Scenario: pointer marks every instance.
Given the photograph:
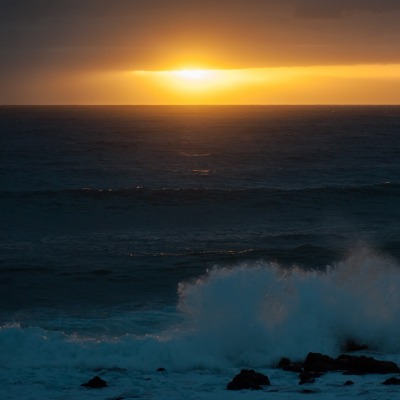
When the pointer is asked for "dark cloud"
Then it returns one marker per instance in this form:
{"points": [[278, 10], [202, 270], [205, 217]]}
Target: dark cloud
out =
{"points": [[341, 8], [118, 23], [39, 37]]}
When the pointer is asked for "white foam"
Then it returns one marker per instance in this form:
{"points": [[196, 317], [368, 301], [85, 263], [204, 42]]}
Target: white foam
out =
{"points": [[246, 316], [249, 315], [257, 313]]}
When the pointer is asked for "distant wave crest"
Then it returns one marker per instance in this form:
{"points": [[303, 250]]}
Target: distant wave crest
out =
{"points": [[385, 188]]}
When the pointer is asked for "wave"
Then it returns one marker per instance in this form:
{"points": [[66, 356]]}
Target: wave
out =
{"points": [[386, 188], [306, 255], [248, 315], [264, 312]]}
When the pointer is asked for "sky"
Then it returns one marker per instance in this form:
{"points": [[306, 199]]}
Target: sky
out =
{"points": [[248, 51]]}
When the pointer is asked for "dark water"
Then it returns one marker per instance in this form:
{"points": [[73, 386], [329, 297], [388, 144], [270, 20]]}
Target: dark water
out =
{"points": [[114, 206], [133, 238]]}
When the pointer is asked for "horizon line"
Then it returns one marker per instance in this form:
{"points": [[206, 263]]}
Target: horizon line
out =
{"points": [[210, 105]]}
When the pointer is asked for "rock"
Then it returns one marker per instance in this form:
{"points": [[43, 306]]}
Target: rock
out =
{"points": [[95, 383], [319, 362], [350, 365], [283, 362], [308, 377], [248, 379], [351, 345], [392, 381], [348, 383], [360, 365], [288, 365]]}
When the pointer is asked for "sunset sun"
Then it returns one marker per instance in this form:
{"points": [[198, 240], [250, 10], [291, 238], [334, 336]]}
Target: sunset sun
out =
{"points": [[194, 85], [192, 74]]}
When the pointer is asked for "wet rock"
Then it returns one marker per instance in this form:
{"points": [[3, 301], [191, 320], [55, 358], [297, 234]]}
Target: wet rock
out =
{"points": [[287, 365], [248, 379], [352, 345], [392, 381], [319, 362], [360, 365], [350, 365], [95, 383], [284, 362], [308, 377]]}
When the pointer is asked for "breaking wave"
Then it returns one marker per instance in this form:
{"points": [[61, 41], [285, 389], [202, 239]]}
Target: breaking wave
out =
{"points": [[248, 315]]}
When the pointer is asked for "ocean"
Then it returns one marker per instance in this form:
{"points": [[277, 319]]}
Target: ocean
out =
{"points": [[198, 239]]}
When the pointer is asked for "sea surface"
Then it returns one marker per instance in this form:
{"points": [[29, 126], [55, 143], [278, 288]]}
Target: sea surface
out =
{"points": [[201, 240]]}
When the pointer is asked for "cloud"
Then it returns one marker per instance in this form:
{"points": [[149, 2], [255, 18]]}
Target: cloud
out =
{"points": [[43, 40], [340, 8], [49, 35]]}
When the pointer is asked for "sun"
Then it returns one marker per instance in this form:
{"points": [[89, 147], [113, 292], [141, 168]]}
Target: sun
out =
{"points": [[190, 80], [199, 85], [195, 74]]}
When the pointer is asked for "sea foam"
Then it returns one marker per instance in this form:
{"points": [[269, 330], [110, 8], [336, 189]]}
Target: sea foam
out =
{"points": [[260, 312], [248, 315]]}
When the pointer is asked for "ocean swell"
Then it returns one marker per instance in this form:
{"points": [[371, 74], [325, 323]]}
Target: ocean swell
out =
{"points": [[248, 315]]}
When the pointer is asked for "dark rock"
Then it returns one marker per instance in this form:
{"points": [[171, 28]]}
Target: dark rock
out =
{"points": [[348, 383], [351, 345], [161, 369], [95, 383], [350, 365], [248, 379], [290, 366], [308, 377], [392, 381], [283, 362], [319, 362], [359, 365]]}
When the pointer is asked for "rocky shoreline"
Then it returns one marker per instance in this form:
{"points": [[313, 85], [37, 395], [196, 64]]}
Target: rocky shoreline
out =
{"points": [[314, 366]]}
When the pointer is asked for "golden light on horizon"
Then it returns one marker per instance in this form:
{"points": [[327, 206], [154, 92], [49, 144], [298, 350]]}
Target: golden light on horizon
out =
{"points": [[197, 84], [192, 73], [175, 52], [192, 85], [193, 80], [352, 84]]}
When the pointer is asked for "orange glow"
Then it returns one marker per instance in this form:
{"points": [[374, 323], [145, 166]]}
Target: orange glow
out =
{"points": [[357, 84], [205, 52], [200, 84], [192, 73]]}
